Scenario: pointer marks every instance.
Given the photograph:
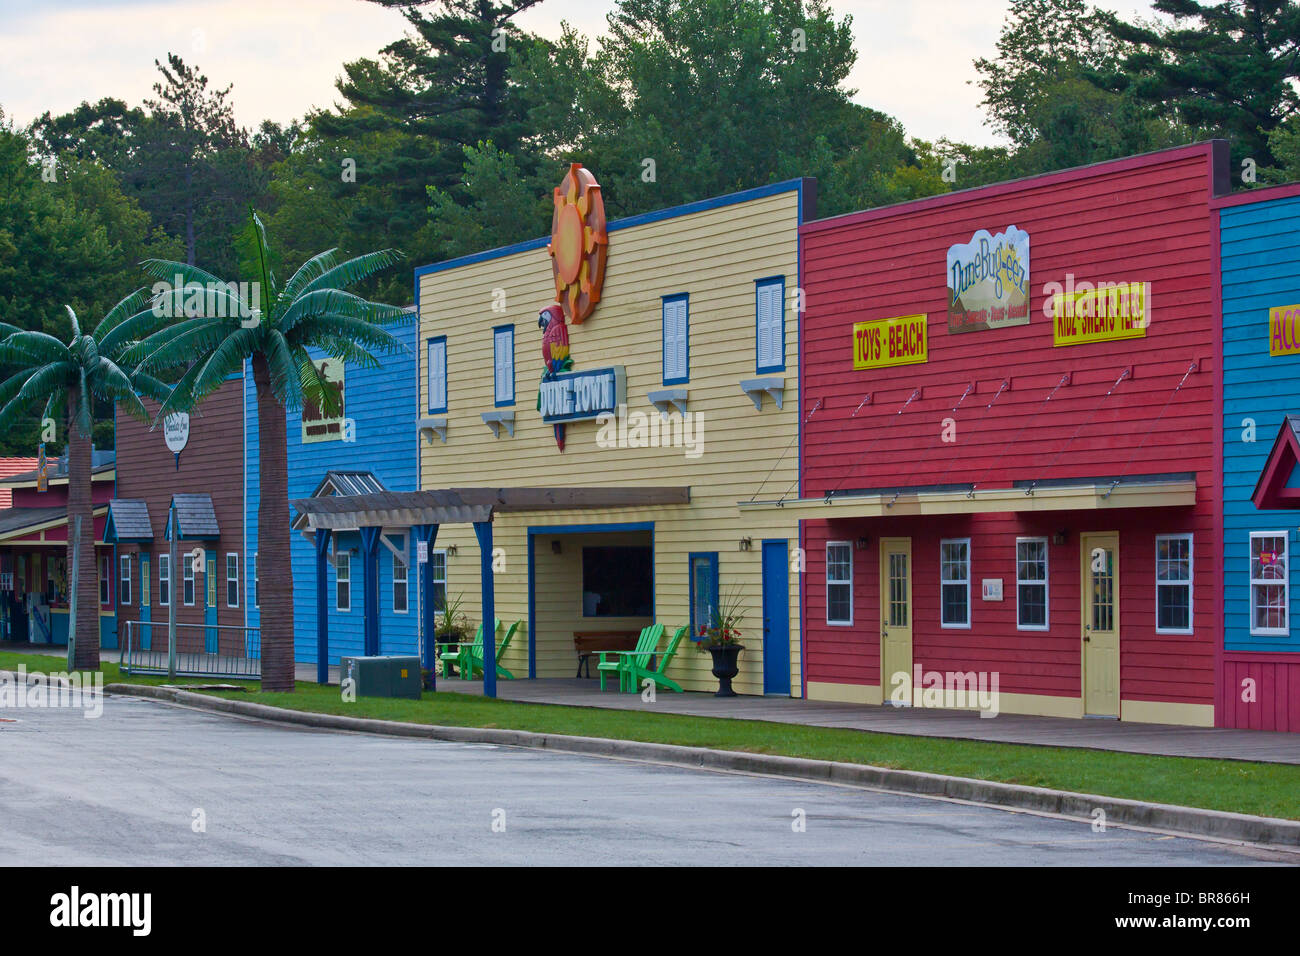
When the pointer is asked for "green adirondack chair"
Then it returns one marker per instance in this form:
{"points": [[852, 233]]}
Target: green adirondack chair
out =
{"points": [[475, 666], [461, 654], [638, 672], [614, 662]]}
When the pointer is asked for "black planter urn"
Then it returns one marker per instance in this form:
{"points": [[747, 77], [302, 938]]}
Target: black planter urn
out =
{"points": [[724, 667]]}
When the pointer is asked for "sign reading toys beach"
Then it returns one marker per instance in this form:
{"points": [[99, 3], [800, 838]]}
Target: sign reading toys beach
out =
{"points": [[988, 281]]}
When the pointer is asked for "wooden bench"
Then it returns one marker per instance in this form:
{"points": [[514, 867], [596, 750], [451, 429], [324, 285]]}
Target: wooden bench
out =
{"points": [[588, 643]]}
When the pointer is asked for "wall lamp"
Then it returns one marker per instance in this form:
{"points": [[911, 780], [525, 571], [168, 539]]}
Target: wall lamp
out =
{"points": [[862, 543], [555, 546], [1060, 536], [451, 551], [746, 544]]}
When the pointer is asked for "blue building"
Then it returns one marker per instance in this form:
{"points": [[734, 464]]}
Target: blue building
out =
{"points": [[1260, 255], [370, 445]]}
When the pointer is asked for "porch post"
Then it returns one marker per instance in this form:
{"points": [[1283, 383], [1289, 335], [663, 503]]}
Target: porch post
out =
{"points": [[322, 606], [428, 534], [370, 577], [483, 531]]}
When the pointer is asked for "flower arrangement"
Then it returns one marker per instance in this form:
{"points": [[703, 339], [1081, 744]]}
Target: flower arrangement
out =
{"points": [[453, 623], [723, 629]]}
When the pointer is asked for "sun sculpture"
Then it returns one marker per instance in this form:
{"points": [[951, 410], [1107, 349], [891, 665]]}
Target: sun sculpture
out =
{"points": [[578, 248]]}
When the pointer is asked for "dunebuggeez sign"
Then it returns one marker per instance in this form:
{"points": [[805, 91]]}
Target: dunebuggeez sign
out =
{"points": [[573, 396], [988, 281]]}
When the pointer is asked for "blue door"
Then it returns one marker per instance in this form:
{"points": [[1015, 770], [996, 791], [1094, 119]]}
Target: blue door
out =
{"points": [[776, 618], [210, 642], [146, 602]]}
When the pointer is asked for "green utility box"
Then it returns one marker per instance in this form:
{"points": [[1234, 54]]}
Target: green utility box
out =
{"points": [[384, 676]]}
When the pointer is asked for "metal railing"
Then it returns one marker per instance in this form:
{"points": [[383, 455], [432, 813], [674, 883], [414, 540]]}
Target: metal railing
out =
{"points": [[202, 650]]}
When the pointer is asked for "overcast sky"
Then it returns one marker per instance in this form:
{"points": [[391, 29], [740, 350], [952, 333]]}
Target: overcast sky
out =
{"points": [[283, 56]]}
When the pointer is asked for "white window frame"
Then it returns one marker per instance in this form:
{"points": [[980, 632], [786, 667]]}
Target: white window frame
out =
{"points": [[164, 580], [436, 346], [342, 560], [1285, 582], [105, 579], [848, 546], [442, 580], [254, 582], [503, 365], [124, 580], [405, 570], [188, 581], [676, 340], [1045, 583], [960, 626], [1191, 577], [231, 555]]}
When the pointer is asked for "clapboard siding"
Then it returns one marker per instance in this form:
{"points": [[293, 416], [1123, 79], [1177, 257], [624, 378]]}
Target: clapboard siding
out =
{"points": [[381, 405], [714, 255], [210, 464], [1146, 219], [1260, 249]]}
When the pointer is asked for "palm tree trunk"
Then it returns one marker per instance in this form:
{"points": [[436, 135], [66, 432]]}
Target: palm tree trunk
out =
{"points": [[274, 569], [85, 652]]}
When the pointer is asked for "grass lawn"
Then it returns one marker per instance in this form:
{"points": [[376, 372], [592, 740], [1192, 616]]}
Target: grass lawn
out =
{"points": [[1260, 788]]}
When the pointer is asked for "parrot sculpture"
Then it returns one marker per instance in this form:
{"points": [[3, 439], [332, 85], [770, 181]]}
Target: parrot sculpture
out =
{"points": [[555, 353]]}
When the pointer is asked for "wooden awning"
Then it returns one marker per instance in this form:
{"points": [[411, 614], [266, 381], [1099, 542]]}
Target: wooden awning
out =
{"points": [[1091, 494], [405, 509]]}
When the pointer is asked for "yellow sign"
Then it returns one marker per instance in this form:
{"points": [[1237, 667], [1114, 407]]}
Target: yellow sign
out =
{"points": [[883, 342], [1109, 311], [1284, 330]]}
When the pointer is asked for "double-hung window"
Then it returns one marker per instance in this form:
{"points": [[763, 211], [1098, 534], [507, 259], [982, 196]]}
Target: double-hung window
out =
{"points": [[437, 363], [105, 578], [124, 590], [232, 579], [342, 580], [769, 325], [676, 339], [164, 579], [1031, 584], [1174, 584], [187, 580], [1270, 591], [954, 582], [839, 582], [503, 363], [400, 578]]}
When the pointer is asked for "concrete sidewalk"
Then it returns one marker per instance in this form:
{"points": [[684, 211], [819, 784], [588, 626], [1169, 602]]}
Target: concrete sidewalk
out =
{"points": [[1163, 739]]}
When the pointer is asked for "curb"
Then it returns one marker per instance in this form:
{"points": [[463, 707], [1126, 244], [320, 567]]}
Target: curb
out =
{"points": [[1214, 824]]}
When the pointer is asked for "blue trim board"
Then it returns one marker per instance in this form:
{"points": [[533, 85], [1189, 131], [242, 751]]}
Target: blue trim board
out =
{"points": [[658, 215], [759, 284], [663, 338]]}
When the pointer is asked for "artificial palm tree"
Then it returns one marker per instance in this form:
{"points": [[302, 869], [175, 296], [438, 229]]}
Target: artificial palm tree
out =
{"points": [[70, 376], [274, 334]]}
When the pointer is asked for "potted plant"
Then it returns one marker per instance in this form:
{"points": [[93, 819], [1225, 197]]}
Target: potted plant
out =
{"points": [[721, 638], [453, 626]]}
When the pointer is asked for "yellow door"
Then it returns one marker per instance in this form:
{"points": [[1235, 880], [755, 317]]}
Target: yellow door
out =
{"points": [[1099, 560], [896, 619]]}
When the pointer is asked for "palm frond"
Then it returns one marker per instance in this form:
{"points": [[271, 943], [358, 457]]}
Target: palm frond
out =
{"points": [[39, 385], [223, 361], [131, 304], [151, 387], [129, 331], [286, 383], [317, 330], [72, 317], [309, 270], [315, 388], [109, 382], [170, 269], [176, 346], [327, 301], [26, 347], [354, 270], [85, 421]]}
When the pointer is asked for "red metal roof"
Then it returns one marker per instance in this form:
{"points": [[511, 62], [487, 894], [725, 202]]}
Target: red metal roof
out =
{"points": [[10, 467]]}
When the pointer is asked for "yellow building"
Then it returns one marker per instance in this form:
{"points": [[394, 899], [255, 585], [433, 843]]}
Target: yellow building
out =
{"points": [[684, 376]]}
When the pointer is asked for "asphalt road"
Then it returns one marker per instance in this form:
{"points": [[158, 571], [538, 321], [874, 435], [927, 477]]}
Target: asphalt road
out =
{"points": [[126, 789]]}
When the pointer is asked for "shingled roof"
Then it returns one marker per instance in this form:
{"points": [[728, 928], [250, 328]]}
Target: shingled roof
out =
{"points": [[195, 517], [128, 520]]}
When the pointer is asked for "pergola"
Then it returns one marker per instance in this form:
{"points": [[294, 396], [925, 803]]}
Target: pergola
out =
{"points": [[423, 512]]}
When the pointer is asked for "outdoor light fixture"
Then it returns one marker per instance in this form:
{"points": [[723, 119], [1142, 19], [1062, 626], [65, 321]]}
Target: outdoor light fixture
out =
{"points": [[746, 544], [1060, 536], [451, 551], [862, 543], [555, 546]]}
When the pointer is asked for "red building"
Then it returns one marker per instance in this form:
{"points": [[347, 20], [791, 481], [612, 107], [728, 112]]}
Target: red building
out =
{"points": [[1010, 468]]}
